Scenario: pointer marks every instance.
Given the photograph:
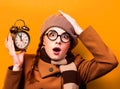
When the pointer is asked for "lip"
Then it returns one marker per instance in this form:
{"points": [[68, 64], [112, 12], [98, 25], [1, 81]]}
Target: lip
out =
{"points": [[56, 50]]}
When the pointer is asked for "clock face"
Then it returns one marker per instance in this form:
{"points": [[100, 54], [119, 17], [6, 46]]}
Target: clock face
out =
{"points": [[22, 40]]}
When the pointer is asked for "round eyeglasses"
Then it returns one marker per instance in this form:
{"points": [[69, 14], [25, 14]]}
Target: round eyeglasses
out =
{"points": [[53, 35]]}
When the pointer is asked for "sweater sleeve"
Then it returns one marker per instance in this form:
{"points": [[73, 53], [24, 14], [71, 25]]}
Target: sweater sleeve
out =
{"points": [[12, 79], [104, 60]]}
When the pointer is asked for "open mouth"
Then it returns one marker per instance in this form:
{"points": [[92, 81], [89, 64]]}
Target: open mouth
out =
{"points": [[56, 50]]}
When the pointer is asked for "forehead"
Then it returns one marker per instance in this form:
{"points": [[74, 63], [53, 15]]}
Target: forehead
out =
{"points": [[57, 29]]}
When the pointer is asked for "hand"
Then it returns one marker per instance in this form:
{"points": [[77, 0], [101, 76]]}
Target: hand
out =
{"points": [[76, 27], [17, 58]]}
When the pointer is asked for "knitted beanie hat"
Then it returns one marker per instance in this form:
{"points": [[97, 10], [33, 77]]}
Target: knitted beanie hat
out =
{"points": [[61, 22]]}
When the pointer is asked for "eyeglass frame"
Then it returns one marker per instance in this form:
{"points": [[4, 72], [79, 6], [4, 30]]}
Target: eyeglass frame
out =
{"points": [[58, 36]]}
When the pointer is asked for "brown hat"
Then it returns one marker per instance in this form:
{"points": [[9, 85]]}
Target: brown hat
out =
{"points": [[59, 21]]}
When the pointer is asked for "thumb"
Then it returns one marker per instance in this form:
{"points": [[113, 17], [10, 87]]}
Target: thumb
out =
{"points": [[22, 53], [21, 56]]}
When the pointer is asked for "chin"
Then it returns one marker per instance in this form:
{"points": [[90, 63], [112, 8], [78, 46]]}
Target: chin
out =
{"points": [[56, 58]]}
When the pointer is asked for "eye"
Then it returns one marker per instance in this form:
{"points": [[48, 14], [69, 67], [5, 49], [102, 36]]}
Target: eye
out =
{"points": [[52, 34], [65, 36]]}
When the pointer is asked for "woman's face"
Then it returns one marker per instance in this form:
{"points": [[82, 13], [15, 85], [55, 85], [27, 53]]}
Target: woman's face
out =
{"points": [[56, 43]]}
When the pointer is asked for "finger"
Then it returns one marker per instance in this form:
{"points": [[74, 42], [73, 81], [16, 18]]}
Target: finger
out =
{"points": [[75, 25], [9, 37], [7, 41], [6, 44], [10, 44], [10, 40], [61, 12], [22, 54], [68, 17]]}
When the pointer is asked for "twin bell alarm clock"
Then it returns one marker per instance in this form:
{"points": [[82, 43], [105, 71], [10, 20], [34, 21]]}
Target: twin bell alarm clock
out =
{"points": [[20, 35]]}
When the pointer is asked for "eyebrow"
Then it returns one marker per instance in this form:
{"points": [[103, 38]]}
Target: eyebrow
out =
{"points": [[54, 28], [57, 32]]}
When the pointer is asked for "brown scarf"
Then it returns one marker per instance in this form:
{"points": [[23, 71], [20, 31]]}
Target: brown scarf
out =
{"points": [[67, 68]]}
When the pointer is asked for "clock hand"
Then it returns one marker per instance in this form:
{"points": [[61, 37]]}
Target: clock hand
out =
{"points": [[20, 35]]}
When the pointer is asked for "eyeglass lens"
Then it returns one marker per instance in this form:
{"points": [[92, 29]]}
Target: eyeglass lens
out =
{"points": [[53, 35]]}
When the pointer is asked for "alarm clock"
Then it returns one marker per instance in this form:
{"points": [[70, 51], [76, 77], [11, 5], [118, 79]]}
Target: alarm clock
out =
{"points": [[20, 36]]}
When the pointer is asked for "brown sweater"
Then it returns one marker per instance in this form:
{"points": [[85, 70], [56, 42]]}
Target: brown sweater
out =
{"points": [[48, 75]]}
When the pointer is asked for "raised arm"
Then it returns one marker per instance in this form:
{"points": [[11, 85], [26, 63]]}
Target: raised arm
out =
{"points": [[104, 60]]}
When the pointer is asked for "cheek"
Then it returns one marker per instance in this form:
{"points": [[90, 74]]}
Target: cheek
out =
{"points": [[47, 44], [66, 47], [46, 41]]}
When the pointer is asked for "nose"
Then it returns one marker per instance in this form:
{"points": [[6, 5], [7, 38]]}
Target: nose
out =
{"points": [[58, 40]]}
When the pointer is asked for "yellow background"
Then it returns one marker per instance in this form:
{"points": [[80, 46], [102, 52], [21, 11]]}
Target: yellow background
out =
{"points": [[103, 15]]}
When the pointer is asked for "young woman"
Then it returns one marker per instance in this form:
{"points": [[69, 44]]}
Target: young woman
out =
{"points": [[54, 66]]}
